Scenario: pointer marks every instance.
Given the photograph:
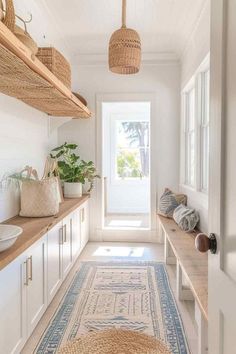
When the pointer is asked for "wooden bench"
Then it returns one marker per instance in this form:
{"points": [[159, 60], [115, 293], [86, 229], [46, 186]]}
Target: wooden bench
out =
{"points": [[192, 267]]}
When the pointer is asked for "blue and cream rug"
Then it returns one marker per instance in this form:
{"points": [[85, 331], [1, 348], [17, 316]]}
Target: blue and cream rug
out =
{"points": [[126, 295]]}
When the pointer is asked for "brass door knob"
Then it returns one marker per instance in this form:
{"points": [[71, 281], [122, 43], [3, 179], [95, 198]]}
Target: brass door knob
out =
{"points": [[203, 243]]}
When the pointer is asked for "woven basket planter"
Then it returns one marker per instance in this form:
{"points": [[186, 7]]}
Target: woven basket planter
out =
{"points": [[125, 51], [115, 341], [56, 63]]}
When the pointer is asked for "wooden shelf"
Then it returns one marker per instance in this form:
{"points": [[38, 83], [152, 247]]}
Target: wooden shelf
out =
{"points": [[24, 77]]}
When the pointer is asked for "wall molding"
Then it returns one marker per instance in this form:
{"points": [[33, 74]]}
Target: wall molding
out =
{"points": [[152, 59]]}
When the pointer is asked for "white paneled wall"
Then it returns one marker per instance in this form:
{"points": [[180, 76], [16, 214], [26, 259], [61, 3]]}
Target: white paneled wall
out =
{"points": [[25, 139], [162, 80]]}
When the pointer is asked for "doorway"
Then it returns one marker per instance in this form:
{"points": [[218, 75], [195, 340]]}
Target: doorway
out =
{"points": [[126, 165]]}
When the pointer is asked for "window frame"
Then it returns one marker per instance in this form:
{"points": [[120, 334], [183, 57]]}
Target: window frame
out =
{"points": [[204, 121], [198, 83], [189, 135]]}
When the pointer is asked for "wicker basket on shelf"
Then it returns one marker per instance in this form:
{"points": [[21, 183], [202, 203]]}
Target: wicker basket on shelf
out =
{"points": [[1, 11], [9, 18], [56, 63], [10, 21]]}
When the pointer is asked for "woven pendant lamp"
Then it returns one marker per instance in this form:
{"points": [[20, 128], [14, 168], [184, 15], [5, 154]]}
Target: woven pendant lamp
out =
{"points": [[125, 49]]}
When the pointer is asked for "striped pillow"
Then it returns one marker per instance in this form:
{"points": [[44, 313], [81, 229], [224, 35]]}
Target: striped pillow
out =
{"points": [[169, 201]]}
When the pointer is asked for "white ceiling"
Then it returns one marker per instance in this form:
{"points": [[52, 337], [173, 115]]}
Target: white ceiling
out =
{"points": [[85, 26]]}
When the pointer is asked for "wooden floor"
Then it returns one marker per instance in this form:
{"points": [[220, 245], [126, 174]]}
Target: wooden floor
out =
{"points": [[111, 251]]}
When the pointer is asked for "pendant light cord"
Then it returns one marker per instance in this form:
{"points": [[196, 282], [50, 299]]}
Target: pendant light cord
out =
{"points": [[123, 13]]}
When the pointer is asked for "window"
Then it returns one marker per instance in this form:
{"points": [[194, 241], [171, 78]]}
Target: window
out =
{"points": [[196, 130], [190, 137], [204, 131], [132, 149]]}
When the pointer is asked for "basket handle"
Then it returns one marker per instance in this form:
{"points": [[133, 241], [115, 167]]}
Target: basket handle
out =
{"points": [[9, 19]]}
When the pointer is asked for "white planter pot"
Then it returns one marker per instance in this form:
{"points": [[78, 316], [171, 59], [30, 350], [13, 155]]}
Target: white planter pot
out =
{"points": [[72, 190]]}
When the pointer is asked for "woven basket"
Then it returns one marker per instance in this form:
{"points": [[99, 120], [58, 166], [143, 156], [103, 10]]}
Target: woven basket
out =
{"points": [[1, 11], [115, 341], [10, 18], [56, 63]]}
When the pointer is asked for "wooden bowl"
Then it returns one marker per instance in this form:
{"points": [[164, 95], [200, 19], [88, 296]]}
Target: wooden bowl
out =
{"points": [[81, 98]]}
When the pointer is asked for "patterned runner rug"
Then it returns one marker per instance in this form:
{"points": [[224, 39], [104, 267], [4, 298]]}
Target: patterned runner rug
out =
{"points": [[127, 295]]}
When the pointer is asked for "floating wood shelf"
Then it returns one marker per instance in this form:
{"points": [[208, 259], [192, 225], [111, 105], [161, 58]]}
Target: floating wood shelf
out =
{"points": [[24, 77]]}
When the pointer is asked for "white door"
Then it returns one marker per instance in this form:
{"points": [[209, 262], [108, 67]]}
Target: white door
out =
{"points": [[67, 248], [75, 233], [222, 207], [54, 271], [36, 289], [13, 306]]}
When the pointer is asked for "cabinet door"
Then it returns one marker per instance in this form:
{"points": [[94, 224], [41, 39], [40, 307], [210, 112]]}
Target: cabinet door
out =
{"points": [[12, 307], [67, 247], [75, 234], [54, 261], [84, 219], [36, 289]]}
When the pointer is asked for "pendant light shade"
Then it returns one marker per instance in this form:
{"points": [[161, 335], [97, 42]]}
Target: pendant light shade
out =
{"points": [[125, 49]]}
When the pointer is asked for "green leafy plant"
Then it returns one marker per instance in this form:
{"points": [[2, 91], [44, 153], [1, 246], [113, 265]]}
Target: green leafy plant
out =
{"points": [[71, 168]]}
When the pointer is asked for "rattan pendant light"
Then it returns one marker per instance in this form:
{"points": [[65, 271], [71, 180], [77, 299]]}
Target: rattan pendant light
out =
{"points": [[125, 49]]}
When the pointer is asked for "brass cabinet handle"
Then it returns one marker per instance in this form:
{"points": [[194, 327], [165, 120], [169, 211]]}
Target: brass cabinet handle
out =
{"points": [[82, 215], [64, 233], [30, 259], [61, 236], [26, 282]]}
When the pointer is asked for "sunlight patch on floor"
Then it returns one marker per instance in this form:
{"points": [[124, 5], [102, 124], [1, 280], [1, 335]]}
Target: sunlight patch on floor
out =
{"points": [[119, 251]]}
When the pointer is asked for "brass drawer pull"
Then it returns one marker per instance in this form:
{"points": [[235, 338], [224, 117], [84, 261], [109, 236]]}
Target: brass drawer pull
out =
{"points": [[82, 215], [26, 282], [30, 259], [64, 233]]}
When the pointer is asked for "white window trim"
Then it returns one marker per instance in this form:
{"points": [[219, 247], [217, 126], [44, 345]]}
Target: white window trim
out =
{"points": [[190, 86], [193, 83]]}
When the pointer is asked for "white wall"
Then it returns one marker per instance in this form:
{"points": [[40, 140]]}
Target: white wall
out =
{"points": [[164, 81], [197, 49], [25, 139]]}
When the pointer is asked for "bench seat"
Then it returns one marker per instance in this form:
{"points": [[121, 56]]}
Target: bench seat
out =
{"points": [[193, 264]]}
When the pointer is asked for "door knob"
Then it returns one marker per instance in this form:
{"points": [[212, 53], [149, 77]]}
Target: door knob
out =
{"points": [[203, 243]]}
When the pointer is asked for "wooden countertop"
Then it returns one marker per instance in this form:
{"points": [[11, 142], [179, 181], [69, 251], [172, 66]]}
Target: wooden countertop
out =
{"points": [[193, 263], [35, 228]]}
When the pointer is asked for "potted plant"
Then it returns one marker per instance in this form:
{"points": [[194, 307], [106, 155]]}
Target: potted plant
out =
{"points": [[73, 171]]}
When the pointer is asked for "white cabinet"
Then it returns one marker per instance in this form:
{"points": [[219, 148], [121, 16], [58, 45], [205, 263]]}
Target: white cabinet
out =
{"points": [[35, 281], [54, 260], [29, 283], [84, 220], [12, 307], [22, 297]]}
